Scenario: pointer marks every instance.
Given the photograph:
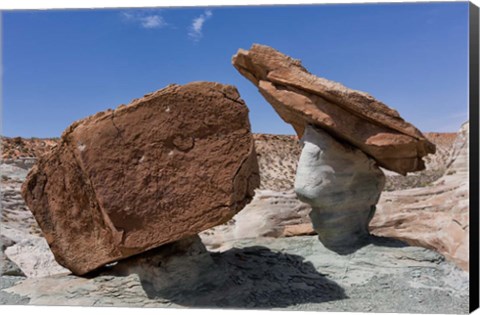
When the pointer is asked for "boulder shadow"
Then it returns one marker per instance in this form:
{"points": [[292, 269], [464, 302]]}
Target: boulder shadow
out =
{"points": [[386, 241], [252, 278], [365, 241]]}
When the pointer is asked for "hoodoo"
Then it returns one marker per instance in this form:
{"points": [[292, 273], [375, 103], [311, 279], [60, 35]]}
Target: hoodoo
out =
{"points": [[347, 136]]}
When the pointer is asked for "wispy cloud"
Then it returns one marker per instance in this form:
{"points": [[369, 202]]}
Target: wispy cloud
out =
{"points": [[195, 31], [145, 19]]}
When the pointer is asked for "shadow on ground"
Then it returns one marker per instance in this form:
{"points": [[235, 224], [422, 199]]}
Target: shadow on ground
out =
{"points": [[367, 240], [252, 277]]}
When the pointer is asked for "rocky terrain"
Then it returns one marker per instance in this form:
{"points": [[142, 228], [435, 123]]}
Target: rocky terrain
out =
{"points": [[268, 238], [436, 216], [158, 204], [274, 273], [287, 216], [18, 149], [278, 157], [274, 222]]}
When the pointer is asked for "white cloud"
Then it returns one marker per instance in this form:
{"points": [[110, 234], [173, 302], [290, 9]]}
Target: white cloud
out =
{"points": [[197, 25], [145, 20], [152, 21]]}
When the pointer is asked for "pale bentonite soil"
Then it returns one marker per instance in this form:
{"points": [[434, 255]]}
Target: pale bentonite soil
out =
{"points": [[268, 273]]}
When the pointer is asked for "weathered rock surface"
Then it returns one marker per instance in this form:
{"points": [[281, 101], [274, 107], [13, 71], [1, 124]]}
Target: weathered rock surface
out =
{"points": [[7, 267], [301, 98], [34, 258], [285, 215], [165, 167], [10, 298], [13, 172], [435, 164], [269, 214], [181, 265], [24, 250], [295, 273], [436, 216], [384, 276], [17, 222], [341, 184]]}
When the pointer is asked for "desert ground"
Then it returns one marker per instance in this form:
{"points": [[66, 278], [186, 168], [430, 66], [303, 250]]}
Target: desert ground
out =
{"points": [[267, 256]]}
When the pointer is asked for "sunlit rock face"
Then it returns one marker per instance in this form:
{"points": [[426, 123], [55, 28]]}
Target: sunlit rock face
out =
{"points": [[342, 185], [165, 167], [435, 216], [301, 98]]}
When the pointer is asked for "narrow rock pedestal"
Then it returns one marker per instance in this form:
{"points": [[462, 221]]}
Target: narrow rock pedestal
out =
{"points": [[342, 185]]}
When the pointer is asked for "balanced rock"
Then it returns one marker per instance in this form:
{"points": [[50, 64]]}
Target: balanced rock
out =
{"points": [[301, 98], [341, 184], [165, 167]]}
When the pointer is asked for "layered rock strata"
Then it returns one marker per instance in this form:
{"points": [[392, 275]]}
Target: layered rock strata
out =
{"points": [[163, 168], [301, 98], [436, 216], [269, 214]]}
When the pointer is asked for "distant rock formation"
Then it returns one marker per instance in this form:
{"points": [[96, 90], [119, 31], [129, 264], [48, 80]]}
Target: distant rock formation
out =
{"points": [[21, 151], [165, 167], [347, 135], [301, 98], [277, 157], [436, 216]]}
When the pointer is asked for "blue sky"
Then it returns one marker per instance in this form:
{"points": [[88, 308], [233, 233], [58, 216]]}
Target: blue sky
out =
{"points": [[63, 65]]}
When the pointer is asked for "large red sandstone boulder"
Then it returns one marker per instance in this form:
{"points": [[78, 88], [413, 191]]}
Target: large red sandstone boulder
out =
{"points": [[163, 168], [301, 98]]}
